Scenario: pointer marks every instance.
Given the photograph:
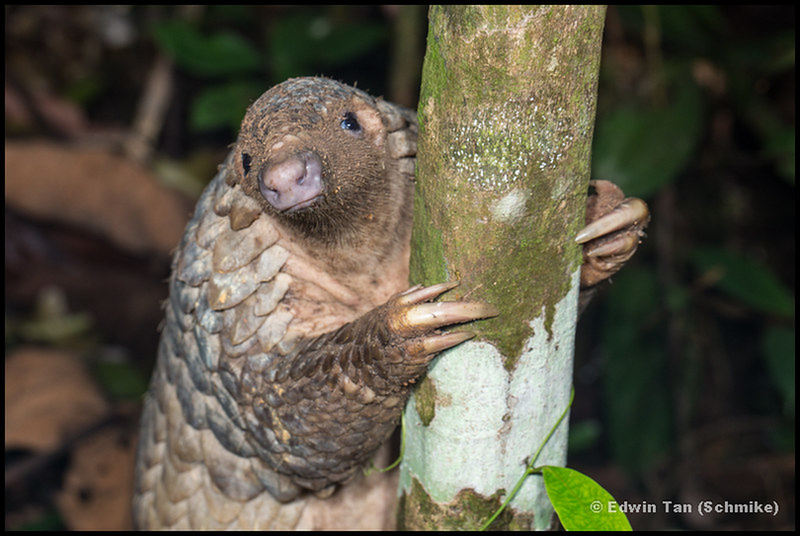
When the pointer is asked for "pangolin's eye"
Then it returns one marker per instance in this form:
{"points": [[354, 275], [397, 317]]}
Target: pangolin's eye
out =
{"points": [[349, 122], [246, 163]]}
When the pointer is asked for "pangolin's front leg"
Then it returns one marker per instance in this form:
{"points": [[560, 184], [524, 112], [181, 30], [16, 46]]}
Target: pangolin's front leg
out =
{"points": [[331, 403], [614, 229]]}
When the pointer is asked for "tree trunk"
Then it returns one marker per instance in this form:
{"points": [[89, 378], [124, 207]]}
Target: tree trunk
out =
{"points": [[506, 118]]}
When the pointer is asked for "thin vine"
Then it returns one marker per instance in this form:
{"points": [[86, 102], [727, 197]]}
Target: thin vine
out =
{"points": [[372, 469], [530, 469]]}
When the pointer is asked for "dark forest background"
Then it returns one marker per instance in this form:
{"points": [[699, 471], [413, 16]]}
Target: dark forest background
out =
{"points": [[116, 117]]}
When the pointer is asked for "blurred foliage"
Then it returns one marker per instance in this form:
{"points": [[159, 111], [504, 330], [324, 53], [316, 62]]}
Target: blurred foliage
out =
{"points": [[637, 397], [746, 281], [696, 115], [119, 377], [643, 148], [301, 42], [305, 42], [51, 323], [220, 54], [777, 346]]}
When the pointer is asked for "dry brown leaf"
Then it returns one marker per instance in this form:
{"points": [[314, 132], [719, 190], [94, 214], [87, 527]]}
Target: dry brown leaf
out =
{"points": [[94, 190], [98, 487], [49, 397]]}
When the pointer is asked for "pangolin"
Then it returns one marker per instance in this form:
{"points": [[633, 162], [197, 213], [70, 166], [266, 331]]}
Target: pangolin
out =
{"points": [[291, 338]]}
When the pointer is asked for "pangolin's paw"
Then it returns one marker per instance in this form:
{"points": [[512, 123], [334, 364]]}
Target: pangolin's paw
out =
{"points": [[614, 229], [413, 317]]}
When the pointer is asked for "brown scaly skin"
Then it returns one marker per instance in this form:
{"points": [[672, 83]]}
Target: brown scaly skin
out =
{"points": [[291, 340]]}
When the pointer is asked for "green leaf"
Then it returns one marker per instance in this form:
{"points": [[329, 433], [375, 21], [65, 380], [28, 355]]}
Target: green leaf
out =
{"points": [[48, 519], [685, 29], [692, 28], [351, 41], [779, 146], [746, 280], [223, 105], [642, 150], [580, 502], [120, 379], [302, 44], [777, 345], [218, 54]]}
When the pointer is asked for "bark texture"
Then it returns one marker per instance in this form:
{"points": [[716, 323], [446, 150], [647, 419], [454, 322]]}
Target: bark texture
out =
{"points": [[506, 118]]}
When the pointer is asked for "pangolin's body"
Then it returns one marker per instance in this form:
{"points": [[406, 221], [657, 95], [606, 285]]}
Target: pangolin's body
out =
{"points": [[243, 425], [285, 361]]}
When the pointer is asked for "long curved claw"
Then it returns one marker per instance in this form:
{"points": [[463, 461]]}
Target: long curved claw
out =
{"points": [[418, 293], [433, 344], [631, 211], [411, 315], [622, 246], [411, 320]]}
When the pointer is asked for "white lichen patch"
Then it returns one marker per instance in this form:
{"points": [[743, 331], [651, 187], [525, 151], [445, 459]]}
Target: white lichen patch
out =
{"points": [[510, 208], [495, 149]]}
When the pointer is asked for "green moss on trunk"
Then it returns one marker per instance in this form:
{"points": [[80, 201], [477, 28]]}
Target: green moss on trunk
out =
{"points": [[506, 115], [468, 511], [506, 120]]}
